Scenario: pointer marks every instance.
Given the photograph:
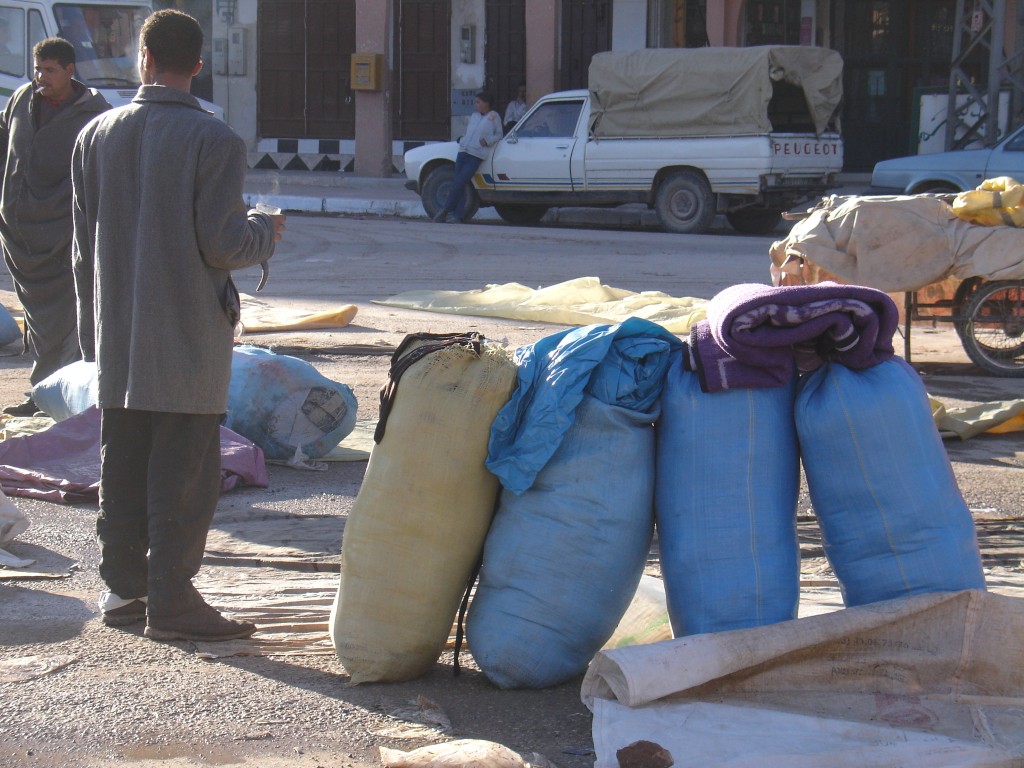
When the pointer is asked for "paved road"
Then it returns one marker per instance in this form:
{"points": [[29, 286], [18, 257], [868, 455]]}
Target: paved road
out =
{"points": [[367, 258]]}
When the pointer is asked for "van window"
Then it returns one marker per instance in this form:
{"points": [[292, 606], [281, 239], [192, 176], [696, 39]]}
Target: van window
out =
{"points": [[36, 30], [12, 41], [105, 39]]}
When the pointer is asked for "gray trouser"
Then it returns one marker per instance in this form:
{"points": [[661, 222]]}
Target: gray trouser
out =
{"points": [[159, 485]]}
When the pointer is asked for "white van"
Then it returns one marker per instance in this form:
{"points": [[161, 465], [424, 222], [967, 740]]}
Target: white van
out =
{"points": [[105, 34]]}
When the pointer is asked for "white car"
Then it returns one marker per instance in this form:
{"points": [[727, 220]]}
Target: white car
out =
{"points": [[956, 171]]}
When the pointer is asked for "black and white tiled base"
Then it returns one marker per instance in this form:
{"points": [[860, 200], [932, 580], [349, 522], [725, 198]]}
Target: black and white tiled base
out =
{"points": [[333, 155]]}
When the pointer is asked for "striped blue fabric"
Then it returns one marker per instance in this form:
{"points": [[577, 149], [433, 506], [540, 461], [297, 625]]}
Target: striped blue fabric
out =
{"points": [[893, 520], [725, 501]]}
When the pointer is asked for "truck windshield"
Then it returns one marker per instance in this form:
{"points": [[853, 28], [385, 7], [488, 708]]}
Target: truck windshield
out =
{"points": [[554, 119], [106, 40]]}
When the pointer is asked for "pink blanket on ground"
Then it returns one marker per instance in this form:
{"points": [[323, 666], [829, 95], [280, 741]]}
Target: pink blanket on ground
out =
{"points": [[62, 463]]}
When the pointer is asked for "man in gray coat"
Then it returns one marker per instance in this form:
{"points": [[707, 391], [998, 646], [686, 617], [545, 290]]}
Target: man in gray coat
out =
{"points": [[37, 133], [159, 224]]}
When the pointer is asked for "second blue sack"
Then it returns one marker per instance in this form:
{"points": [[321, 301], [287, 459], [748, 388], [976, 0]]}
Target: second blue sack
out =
{"points": [[726, 495], [892, 518]]}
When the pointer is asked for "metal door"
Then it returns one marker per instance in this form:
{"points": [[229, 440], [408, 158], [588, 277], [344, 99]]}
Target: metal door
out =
{"points": [[535, 156], [891, 49], [304, 53], [586, 30], [422, 65], [505, 50]]}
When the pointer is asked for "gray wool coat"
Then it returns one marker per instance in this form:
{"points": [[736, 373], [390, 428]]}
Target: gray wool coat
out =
{"points": [[159, 224], [35, 219]]}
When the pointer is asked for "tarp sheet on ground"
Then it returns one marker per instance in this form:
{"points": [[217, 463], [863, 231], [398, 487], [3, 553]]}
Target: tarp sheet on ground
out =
{"points": [[895, 243], [928, 680], [998, 417], [581, 301], [62, 463], [262, 317]]}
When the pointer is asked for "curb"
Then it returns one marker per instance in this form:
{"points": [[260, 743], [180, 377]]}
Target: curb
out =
{"points": [[407, 209]]}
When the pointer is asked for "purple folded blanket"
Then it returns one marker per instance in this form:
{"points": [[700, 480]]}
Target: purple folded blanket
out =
{"points": [[756, 336]]}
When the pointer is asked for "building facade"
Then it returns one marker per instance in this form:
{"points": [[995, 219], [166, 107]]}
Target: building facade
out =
{"points": [[284, 73]]}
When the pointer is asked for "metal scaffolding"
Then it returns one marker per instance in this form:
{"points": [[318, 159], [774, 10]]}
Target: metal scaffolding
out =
{"points": [[979, 37]]}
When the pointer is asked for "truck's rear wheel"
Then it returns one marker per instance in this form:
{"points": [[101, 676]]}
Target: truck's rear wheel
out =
{"points": [[684, 203], [754, 220], [436, 188], [521, 214]]}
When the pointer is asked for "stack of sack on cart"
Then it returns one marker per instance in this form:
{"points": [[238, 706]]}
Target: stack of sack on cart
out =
{"points": [[535, 481]]}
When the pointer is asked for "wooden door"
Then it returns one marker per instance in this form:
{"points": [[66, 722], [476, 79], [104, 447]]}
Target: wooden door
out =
{"points": [[586, 30], [423, 70], [303, 79]]}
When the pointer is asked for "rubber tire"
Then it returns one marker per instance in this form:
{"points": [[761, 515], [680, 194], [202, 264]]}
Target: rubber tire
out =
{"points": [[754, 221], [1005, 361], [684, 203], [435, 192], [937, 188], [525, 215]]}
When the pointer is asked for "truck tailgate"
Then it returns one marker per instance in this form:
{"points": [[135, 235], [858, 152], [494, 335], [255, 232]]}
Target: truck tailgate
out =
{"points": [[803, 155]]}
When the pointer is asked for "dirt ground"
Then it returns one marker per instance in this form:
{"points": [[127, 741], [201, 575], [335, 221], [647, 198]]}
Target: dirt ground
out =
{"points": [[96, 696]]}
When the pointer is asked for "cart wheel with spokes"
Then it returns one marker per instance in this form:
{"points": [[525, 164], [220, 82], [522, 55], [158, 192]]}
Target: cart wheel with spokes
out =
{"points": [[993, 327], [964, 291]]}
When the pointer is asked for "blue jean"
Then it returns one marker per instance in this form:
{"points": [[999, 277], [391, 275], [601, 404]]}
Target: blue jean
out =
{"points": [[465, 166]]}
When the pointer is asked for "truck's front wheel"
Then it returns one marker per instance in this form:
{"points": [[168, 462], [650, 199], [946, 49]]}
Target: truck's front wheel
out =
{"points": [[436, 188], [684, 203], [525, 215], [754, 220]]}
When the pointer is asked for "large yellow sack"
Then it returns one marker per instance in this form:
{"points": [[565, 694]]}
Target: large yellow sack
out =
{"points": [[417, 527], [998, 201]]}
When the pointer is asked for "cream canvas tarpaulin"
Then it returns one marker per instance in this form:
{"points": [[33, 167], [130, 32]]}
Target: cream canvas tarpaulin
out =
{"points": [[996, 418], [927, 680], [896, 243], [581, 301], [261, 317], [653, 91]]}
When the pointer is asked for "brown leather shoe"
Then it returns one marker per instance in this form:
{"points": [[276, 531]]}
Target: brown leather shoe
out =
{"points": [[27, 408], [125, 615], [204, 623]]}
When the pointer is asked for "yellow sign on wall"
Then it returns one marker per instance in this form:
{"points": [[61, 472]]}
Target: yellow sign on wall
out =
{"points": [[366, 71]]}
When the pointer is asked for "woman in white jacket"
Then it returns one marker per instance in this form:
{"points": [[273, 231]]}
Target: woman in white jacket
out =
{"points": [[484, 132]]}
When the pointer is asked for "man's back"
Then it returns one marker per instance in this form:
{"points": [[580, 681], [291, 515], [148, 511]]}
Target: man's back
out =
{"points": [[159, 189]]}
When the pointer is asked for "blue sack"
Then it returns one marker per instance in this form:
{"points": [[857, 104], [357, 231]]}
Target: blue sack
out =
{"points": [[562, 561], [728, 475], [574, 450], [68, 391], [285, 406], [892, 518], [10, 331]]}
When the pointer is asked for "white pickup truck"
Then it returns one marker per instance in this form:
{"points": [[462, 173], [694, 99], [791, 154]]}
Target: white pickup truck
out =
{"points": [[748, 132]]}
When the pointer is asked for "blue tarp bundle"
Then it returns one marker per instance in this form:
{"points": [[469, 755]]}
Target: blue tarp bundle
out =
{"points": [[284, 404], [575, 450], [728, 475], [620, 364], [892, 518]]}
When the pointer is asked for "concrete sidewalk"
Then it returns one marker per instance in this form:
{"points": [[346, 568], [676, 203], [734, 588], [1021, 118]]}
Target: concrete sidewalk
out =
{"points": [[336, 193]]}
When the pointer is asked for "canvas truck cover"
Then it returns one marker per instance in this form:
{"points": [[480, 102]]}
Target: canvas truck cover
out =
{"points": [[674, 92]]}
